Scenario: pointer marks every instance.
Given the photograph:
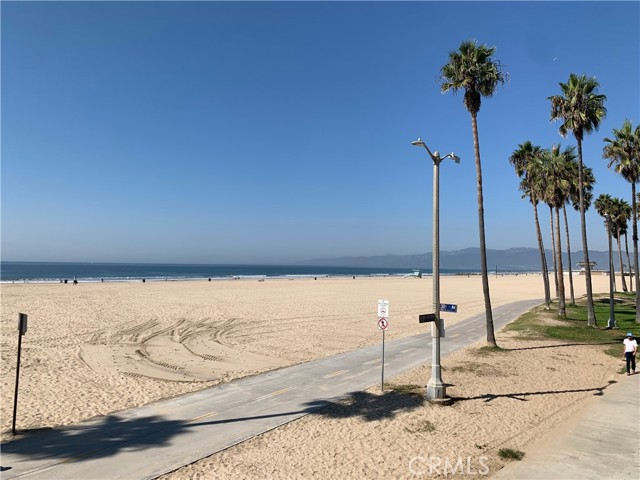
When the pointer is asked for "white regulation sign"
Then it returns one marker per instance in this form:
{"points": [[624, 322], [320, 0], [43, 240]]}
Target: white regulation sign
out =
{"points": [[383, 308]]}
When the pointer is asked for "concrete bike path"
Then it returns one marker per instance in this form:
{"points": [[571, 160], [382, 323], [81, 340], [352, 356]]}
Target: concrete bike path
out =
{"points": [[146, 442], [600, 441]]}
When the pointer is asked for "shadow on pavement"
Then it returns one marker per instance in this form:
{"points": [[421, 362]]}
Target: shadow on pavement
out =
{"points": [[99, 439], [112, 434]]}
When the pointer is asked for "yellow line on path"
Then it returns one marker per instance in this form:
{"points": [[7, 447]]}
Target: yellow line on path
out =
{"points": [[273, 394], [408, 350], [372, 361], [335, 374], [201, 417]]}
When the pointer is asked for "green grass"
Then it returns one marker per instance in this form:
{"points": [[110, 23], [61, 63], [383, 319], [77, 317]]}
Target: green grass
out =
{"points": [[510, 454], [574, 327]]}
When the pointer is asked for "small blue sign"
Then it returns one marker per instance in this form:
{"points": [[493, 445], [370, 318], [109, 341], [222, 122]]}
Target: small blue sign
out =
{"points": [[448, 307]]}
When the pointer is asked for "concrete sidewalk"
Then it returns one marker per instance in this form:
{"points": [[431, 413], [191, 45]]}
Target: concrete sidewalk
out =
{"points": [[600, 441]]}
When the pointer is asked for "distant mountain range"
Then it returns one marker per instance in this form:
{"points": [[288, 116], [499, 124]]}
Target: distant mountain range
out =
{"points": [[511, 260]]}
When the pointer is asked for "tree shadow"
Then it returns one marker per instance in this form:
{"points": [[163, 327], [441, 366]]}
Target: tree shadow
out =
{"points": [[560, 345], [109, 435], [488, 397], [608, 301], [372, 407], [97, 439]]}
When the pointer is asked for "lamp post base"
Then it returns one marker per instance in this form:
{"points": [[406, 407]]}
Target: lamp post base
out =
{"points": [[446, 401], [437, 394]]}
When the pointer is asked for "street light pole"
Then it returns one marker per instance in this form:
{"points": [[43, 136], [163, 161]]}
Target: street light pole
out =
{"points": [[436, 390]]}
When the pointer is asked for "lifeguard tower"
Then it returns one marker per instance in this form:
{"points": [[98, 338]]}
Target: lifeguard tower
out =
{"points": [[582, 265]]}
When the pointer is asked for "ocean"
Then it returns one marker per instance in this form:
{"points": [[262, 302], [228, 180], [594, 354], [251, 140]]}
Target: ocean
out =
{"points": [[96, 272]]}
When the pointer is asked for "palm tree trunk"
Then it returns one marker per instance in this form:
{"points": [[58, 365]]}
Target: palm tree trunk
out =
{"points": [[543, 258], [624, 282], [561, 300], [491, 336], [612, 271], [553, 246], [634, 238], [566, 225], [626, 247], [591, 312]]}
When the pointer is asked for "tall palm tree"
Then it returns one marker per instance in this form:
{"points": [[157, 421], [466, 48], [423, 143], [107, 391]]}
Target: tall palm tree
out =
{"points": [[556, 194], [623, 153], [620, 214], [588, 180], [526, 160], [624, 231], [571, 165], [553, 243], [580, 109], [604, 207], [471, 68]]}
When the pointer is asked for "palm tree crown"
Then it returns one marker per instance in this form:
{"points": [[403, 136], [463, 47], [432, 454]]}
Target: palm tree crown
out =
{"points": [[580, 108], [471, 68], [623, 151]]}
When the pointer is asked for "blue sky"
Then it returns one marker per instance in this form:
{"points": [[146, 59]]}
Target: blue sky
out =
{"points": [[216, 132]]}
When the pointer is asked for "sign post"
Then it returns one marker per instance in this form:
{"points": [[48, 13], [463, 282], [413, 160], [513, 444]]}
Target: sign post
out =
{"points": [[383, 324], [22, 329]]}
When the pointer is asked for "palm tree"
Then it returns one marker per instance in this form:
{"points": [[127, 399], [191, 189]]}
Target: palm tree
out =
{"points": [[620, 213], [623, 153], [556, 194], [624, 231], [526, 160], [471, 68], [553, 244], [580, 109], [588, 180], [571, 166]]}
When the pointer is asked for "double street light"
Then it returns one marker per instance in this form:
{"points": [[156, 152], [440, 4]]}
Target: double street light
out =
{"points": [[436, 390]]}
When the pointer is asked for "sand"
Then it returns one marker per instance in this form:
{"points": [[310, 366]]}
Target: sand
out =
{"points": [[93, 349]]}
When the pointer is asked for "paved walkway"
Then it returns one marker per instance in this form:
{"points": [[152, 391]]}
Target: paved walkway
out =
{"points": [[601, 441]]}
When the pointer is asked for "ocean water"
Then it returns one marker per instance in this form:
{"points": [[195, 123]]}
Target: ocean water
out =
{"points": [[95, 272]]}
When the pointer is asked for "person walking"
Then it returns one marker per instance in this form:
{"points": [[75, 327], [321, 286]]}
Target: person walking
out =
{"points": [[630, 349]]}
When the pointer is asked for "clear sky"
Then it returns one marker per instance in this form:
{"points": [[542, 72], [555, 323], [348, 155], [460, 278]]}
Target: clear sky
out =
{"points": [[217, 132]]}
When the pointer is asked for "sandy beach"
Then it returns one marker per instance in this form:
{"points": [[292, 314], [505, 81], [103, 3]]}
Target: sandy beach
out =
{"points": [[97, 348]]}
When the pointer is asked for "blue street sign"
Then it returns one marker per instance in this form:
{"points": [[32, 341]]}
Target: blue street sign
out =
{"points": [[448, 307]]}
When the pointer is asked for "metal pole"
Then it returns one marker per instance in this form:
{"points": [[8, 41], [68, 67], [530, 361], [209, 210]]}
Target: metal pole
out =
{"points": [[612, 315], [15, 395], [382, 380], [435, 387]]}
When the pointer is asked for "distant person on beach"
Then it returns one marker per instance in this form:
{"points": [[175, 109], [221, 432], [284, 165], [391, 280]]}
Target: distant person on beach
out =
{"points": [[75, 281], [630, 350]]}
